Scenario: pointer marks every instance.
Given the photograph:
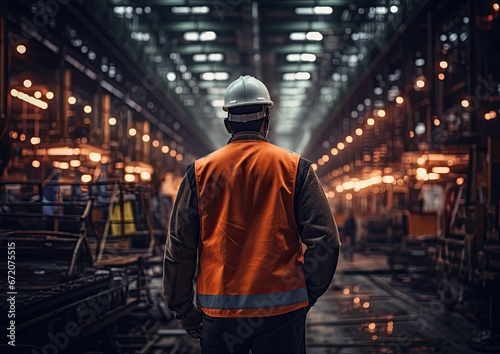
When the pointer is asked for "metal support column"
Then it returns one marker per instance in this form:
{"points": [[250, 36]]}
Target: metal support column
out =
{"points": [[146, 146], [4, 86], [105, 115], [63, 92]]}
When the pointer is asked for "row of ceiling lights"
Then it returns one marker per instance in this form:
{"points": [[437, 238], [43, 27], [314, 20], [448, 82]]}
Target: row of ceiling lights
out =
{"points": [[419, 84], [421, 174], [203, 10], [292, 57], [22, 49], [87, 109]]}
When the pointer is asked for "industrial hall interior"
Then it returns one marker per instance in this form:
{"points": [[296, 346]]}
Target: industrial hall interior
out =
{"points": [[108, 108]]}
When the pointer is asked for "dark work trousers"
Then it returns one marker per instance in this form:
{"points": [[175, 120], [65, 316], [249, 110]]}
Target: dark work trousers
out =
{"points": [[282, 334]]}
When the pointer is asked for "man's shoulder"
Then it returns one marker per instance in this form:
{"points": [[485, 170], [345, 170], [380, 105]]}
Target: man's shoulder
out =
{"points": [[209, 155], [282, 150]]}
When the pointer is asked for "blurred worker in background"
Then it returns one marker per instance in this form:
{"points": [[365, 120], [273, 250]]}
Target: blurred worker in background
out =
{"points": [[349, 237], [245, 210]]}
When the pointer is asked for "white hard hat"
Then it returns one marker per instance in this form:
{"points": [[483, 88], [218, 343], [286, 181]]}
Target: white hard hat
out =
{"points": [[247, 91]]}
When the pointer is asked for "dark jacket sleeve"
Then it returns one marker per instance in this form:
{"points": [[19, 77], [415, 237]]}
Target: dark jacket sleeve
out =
{"points": [[318, 231], [181, 251]]}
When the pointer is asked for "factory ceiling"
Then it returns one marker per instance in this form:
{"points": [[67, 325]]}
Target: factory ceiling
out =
{"points": [[308, 53]]}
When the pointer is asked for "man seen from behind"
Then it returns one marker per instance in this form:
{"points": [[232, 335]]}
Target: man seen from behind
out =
{"points": [[240, 219]]}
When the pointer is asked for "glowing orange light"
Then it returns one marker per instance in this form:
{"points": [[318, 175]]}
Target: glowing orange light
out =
{"points": [[21, 49], [490, 115], [420, 83]]}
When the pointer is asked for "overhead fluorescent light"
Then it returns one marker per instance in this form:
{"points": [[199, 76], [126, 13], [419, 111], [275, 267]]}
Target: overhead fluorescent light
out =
{"points": [[379, 10], [217, 103], [316, 10], [212, 57], [314, 36], [200, 58], [215, 57], [184, 10], [208, 36], [27, 98], [304, 11], [181, 10], [191, 36], [216, 90], [309, 57], [203, 36], [292, 90], [291, 104], [322, 10], [293, 57], [221, 76], [200, 10], [214, 76], [298, 36]]}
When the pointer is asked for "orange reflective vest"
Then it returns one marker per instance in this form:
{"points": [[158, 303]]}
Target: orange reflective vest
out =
{"points": [[250, 257]]}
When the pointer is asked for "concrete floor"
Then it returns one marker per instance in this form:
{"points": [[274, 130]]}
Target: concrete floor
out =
{"points": [[366, 311]]}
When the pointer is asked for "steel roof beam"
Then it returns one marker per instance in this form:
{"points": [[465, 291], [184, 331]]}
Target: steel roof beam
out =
{"points": [[216, 26], [206, 48], [295, 48], [305, 26]]}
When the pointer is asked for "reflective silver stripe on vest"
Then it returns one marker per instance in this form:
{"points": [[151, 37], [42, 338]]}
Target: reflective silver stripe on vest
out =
{"points": [[237, 302]]}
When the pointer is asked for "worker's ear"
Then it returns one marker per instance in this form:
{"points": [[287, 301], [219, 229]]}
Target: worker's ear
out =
{"points": [[228, 127]]}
